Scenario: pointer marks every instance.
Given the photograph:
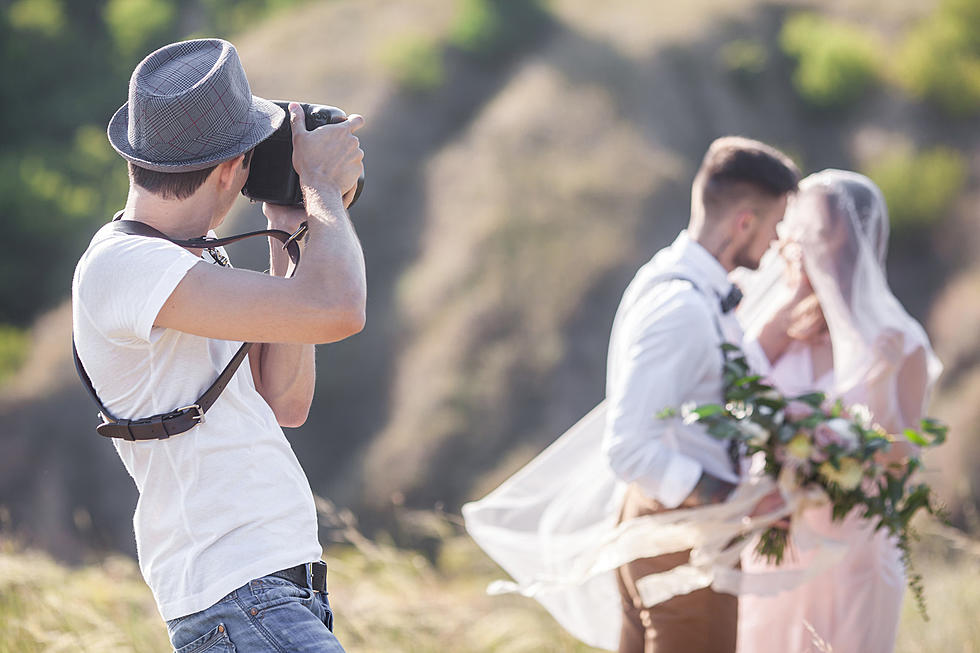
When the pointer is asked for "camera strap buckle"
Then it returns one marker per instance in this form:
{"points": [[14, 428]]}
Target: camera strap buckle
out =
{"points": [[200, 413], [299, 233]]}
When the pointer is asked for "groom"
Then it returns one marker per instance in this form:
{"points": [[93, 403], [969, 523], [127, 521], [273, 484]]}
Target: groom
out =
{"points": [[665, 351]]}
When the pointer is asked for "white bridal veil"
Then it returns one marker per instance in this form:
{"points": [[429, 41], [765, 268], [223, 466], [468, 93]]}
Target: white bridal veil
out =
{"points": [[838, 225]]}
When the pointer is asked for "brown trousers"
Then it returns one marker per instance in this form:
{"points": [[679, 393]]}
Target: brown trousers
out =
{"points": [[703, 621]]}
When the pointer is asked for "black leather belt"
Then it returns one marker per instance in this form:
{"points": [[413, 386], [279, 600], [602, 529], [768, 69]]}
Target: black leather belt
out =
{"points": [[316, 571]]}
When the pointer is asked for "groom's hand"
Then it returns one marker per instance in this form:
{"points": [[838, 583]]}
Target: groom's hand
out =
{"points": [[710, 489], [770, 503]]}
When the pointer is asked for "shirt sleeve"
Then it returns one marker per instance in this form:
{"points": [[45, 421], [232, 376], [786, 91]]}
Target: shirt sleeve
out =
{"points": [[756, 356], [126, 281], [664, 356]]}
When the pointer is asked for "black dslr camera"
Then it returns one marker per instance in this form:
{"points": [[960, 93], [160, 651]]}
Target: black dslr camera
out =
{"points": [[271, 177]]}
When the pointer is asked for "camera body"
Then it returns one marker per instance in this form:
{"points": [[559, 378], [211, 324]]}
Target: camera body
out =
{"points": [[271, 176]]}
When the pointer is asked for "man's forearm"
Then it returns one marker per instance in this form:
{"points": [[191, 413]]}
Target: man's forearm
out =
{"points": [[333, 268], [284, 374]]}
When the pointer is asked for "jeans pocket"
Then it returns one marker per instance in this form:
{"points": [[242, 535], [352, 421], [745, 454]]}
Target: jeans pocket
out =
{"points": [[214, 641], [270, 591]]}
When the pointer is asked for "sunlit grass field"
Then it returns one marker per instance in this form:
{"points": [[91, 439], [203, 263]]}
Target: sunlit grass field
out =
{"points": [[389, 599]]}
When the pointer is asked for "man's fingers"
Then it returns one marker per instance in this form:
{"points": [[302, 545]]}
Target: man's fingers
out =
{"points": [[355, 121], [297, 119]]}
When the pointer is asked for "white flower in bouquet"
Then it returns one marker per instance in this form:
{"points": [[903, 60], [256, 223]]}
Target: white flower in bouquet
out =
{"points": [[862, 416], [755, 434], [687, 412]]}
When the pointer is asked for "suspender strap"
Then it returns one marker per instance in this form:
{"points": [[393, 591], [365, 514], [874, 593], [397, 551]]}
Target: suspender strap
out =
{"points": [[734, 447], [714, 316], [179, 420]]}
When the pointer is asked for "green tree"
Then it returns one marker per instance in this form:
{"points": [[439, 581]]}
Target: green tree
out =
{"points": [[940, 58], [835, 62]]}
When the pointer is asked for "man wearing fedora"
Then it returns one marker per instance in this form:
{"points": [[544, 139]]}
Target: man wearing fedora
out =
{"points": [[225, 526]]}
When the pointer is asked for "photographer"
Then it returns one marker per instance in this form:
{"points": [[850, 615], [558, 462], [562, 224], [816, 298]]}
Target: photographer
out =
{"points": [[225, 526]]}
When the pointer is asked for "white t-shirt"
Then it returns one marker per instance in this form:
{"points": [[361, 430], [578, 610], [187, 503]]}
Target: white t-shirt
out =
{"points": [[222, 503]]}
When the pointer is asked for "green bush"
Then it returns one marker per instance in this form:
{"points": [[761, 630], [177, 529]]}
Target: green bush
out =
{"points": [[488, 29], [415, 62], [13, 350], [134, 24], [919, 187], [835, 62], [45, 17], [939, 60]]}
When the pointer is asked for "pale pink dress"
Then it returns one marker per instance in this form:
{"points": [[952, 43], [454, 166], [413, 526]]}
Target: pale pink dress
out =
{"points": [[854, 607]]}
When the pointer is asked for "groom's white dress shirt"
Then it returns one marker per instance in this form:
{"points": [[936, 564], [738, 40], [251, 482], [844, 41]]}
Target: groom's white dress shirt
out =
{"points": [[665, 351]]}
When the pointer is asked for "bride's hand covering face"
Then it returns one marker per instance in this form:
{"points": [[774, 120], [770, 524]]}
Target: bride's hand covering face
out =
{"points": [[835, 236]]}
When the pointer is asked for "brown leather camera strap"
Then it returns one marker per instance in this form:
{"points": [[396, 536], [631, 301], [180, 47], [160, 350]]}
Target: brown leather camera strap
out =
{"points": [[179, 420]]}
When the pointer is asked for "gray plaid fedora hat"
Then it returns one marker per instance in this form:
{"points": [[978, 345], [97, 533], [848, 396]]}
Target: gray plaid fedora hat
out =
{"points": [[190, 107]]}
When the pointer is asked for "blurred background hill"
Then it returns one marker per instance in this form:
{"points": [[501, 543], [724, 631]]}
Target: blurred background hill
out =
{"points": [[524, 158]]}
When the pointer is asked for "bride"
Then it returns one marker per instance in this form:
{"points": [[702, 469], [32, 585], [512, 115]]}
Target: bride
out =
{"points": [[821, 308]]}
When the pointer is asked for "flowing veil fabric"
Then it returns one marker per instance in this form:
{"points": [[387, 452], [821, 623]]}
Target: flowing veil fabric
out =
{"points": [[547, 517], [553, 527]]}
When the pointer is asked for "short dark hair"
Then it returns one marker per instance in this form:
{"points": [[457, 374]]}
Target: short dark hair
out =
{"points": [[735, 167], [175, 185]]}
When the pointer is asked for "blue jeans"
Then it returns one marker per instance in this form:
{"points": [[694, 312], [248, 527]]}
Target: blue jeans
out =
{"points": [[267, 614]]}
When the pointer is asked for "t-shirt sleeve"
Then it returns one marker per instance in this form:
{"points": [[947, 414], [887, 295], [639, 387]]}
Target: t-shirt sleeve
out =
{"points": [[126, 281]]}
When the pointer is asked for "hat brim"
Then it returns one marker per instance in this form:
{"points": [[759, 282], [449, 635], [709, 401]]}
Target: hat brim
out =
{"points": [[266, 118]]}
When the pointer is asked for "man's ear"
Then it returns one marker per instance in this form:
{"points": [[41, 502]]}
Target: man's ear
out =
{"points": [[745, 220], [228, 170]]}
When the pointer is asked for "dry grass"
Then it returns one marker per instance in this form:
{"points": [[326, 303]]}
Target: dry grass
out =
{"points": [[45, 606], [389, 599]]}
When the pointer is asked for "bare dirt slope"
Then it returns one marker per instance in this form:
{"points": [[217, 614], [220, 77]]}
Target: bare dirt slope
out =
{"points": [[504, 213]]}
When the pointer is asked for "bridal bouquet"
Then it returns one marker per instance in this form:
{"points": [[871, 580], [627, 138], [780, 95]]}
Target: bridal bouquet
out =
{"points": [[809, 442]]}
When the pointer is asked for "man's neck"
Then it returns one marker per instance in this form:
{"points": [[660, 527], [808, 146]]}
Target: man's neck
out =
{"points": [[718, 244], [179, 219]]}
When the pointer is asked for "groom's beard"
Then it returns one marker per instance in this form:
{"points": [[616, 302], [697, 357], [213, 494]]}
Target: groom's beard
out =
{"points": [[743, 258]]}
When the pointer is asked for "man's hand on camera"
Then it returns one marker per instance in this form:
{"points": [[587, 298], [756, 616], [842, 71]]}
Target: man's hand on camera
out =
{"points": [[329, 158]]}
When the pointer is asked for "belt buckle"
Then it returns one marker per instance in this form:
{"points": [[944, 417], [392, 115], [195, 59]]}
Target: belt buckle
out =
{"points": [[200, 413], [318, 576]]}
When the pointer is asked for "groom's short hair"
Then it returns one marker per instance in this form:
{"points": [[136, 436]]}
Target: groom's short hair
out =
{"points": [[735, 168]]}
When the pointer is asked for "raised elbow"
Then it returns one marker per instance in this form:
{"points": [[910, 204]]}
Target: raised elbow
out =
{"points": [[331, 319], [343, 324], [291, 414], [356, 320]]}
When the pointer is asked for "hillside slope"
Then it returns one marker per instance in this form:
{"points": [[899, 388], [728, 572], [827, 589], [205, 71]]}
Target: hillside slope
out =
{"points": [[504, 213]]}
